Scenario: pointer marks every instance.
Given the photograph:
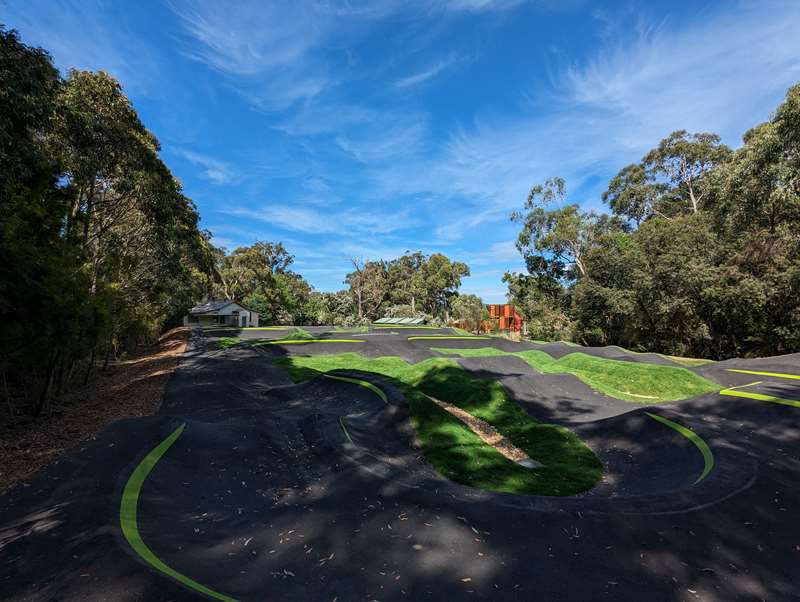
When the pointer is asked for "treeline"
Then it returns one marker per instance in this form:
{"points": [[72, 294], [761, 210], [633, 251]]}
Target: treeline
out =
{"points": [[99, 247], [413, 285], [699, 256]]}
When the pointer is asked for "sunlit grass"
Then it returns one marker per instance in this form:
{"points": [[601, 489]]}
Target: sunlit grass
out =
{"points": [[227, 342], [570, 467], [631, 381]]}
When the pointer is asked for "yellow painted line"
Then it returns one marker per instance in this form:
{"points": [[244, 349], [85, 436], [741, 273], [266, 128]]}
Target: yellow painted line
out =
{"points": [[306, 341], [364, 383], [775, 374], [734, 392], [344, 428], [128, 510], [708, 456]]}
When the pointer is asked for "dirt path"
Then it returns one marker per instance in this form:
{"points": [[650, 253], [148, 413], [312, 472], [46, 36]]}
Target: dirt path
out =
{"points": [[126, 389], [488, 434]]}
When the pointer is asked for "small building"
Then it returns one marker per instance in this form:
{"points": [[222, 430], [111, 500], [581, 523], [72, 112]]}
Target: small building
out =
{"points": [[221, 312], [503, 316]]}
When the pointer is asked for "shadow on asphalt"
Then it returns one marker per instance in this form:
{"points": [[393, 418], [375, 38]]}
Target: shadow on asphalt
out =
{"points": [[252, 502]]}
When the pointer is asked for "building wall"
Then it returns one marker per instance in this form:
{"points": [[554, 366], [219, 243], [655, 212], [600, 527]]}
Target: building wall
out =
{"points": [[233, 314]]}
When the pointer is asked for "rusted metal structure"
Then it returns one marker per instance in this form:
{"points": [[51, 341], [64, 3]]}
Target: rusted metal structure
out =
{"points": [[503, 316]]}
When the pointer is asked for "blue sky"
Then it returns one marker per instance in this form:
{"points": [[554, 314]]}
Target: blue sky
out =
{"points": [[365, 129]]}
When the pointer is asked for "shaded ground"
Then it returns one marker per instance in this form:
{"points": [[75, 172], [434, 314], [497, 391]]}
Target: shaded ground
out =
{"points": [[126, 389], [264, 497]]}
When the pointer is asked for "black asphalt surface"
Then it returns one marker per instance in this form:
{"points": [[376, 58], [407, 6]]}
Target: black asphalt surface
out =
{"points": [[264, 497]]}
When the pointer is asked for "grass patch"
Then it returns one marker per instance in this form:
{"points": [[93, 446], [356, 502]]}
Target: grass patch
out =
{"points": [[461, 331], [630, 381], [406, 326], [306, 341], [227, 342], [688, 361], [570, 467], [351, 329], [299, 334], [436, 337]]}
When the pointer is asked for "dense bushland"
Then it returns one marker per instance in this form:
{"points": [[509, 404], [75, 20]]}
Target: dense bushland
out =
{"points": [[99, 248], [701, 255]]}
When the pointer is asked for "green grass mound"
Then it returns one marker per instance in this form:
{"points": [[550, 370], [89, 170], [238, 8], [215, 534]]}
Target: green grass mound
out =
{"points": [[631, 381], [407, 326], [227, 342], [299, 334], [351, 328], [570, 467]]}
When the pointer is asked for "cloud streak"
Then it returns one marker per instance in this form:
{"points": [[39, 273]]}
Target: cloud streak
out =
{"points": [[218, 171]]}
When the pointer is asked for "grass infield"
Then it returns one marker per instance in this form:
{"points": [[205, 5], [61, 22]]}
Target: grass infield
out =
{"points": [[630, 381], [306, 341], [450, 446], [441, 337]]}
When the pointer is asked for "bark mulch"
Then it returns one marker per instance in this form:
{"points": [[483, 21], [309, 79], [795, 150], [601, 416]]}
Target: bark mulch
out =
{"points": [[126, 389], [487, 433]]}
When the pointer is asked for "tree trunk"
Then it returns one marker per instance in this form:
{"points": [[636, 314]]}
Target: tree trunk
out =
{"points": [[12, 413], [89, 367], [45, 395], [108, 351], [59, 377]]}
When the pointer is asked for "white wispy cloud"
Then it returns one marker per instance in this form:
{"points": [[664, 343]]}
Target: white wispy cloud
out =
{"points": [[216, 170], [722, 73], [481, 5], [422, 76], [298, 217], [85, 34], [266, 49]]}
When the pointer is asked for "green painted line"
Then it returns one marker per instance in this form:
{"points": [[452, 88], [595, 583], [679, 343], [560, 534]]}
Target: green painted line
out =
{"points": [[759, 396], [130, 527], [708, 456], [304, 341], [775, 374], [344, 428], [400, 327], [433, 337], [363, 383]]}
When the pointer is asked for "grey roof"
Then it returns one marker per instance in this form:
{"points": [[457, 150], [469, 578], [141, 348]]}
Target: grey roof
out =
{"points": [[209, 306]]}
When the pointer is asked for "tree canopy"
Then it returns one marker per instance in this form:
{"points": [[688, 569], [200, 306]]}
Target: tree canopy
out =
{"points": [[99, 248], [708, 263]]}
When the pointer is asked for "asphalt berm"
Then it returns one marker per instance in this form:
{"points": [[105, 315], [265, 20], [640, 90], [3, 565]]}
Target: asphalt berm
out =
{"points": [[266, 489]]}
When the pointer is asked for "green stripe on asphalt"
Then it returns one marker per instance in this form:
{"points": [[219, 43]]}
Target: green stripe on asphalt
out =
{"points": [[130, 528], [708, 456], [399, 326], [433, 337], [304, 341], [363, 383], [775, 374], [759, 396], [344, 428]]}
